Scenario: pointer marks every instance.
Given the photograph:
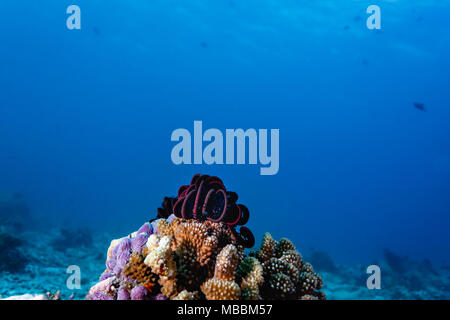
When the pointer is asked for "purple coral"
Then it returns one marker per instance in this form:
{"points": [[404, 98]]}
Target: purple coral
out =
{"points": [[170, 218], [146, 228], [123, 294], [100, 296], [105, 276], [160, 296], [115, 250], [138, 242], [139, 293], [123, 252], [111, 263], [154, 225], [117, 271]]}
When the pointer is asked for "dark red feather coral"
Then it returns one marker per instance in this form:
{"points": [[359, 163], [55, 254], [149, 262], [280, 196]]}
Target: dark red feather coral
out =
{"points": [[206, 198]]}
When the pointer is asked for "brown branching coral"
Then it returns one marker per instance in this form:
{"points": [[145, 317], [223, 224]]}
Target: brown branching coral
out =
{"points": [[281, 278], [222, 233], [293, 257], [223, 286], [137, 270], [267, 249], [190, 272], [215, 289], [169, 287], [226, 263], [196, 235], [283, 246], [251, 275], [166, 228], [206, 238], [309, 281], [281, 286], [285, 274], [275, 266]]}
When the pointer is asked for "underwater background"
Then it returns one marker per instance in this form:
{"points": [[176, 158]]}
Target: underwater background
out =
{"points": [[86, 118]]}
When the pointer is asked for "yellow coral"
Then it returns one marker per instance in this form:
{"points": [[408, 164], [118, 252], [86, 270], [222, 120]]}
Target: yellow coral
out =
{"points": [[226, 263], [215, 289], [168, 229], [168, 286], [161, 259], [152, 242], [256, 273], [222, 285], [186, 295], [251, 282]]}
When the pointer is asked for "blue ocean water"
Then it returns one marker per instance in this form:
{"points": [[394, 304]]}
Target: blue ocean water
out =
{"points": [[86, 115]]}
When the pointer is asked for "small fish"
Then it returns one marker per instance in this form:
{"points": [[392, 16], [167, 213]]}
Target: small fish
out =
{"points": [[204, 44], [419, 106], [346, 27], [96, 31]]}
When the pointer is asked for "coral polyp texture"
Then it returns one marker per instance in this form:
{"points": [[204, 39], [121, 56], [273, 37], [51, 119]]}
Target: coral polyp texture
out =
{"points": [[192, 251], [286, 276]]}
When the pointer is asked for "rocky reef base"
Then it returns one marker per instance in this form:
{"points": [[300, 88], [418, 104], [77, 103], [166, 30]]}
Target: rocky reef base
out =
{"points": [[183, 259]]}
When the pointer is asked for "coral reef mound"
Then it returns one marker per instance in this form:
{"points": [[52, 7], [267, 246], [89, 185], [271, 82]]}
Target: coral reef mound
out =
{"points": [[197, 254]]}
